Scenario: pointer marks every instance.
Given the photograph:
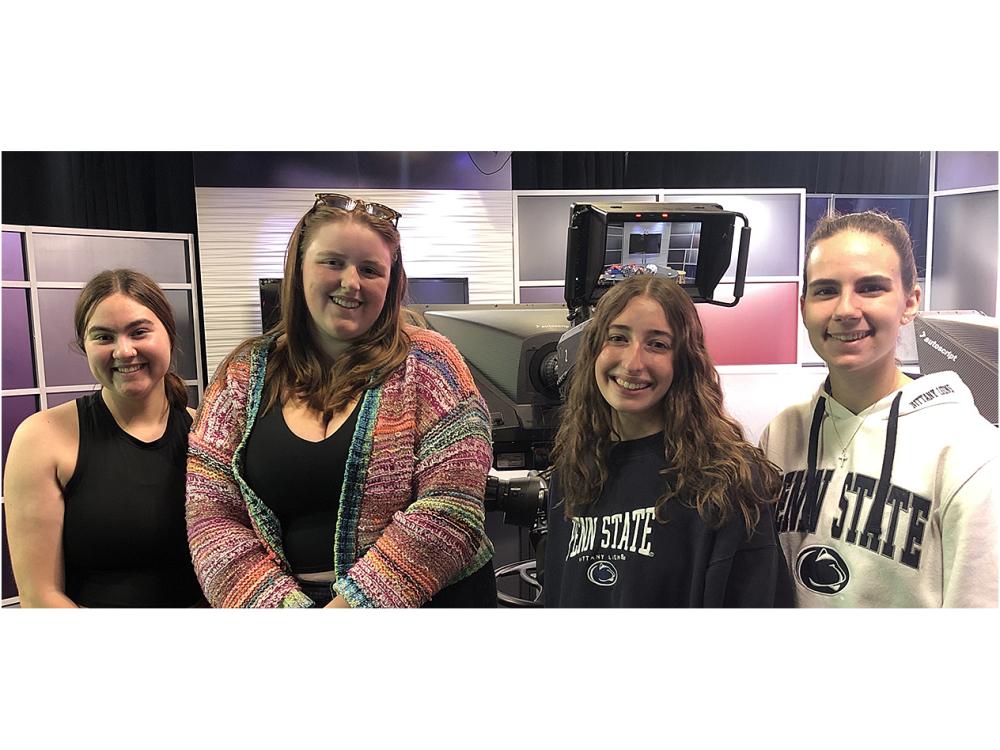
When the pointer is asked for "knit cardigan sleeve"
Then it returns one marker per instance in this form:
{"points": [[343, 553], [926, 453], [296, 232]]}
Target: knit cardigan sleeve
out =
{"points": [[440, 537], [233, 565]]}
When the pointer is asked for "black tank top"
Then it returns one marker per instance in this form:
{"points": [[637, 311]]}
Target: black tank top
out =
{"points": [[124, 534], [301, 482]]}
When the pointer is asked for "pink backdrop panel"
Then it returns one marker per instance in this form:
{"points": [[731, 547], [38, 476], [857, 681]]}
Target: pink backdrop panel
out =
{"points": [[761, 330]]}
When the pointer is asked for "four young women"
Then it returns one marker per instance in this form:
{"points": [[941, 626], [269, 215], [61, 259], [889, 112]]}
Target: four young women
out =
{"points": [[340, 459]]}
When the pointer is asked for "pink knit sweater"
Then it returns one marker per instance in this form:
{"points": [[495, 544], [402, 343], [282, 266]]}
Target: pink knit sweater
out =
{"points": [[411, 518]]}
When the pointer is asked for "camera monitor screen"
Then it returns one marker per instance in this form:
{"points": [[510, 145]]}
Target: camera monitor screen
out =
{"points": [[694, 241]]}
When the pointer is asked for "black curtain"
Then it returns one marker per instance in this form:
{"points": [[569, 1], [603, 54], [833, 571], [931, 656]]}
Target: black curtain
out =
{"points": [[867, 172], [118, 190], [114, 190], [558, 170]]}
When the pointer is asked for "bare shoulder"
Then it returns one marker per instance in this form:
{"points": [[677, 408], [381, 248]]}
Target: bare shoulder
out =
{"points": [[58, 424], [46, 440]]}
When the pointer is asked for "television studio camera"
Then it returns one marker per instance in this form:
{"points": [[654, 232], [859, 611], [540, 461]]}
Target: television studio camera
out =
{"points": [[521, 356]]}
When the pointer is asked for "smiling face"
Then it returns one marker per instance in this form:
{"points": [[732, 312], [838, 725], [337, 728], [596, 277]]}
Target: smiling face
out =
{"points": [[635, 368], [127, 347], [855, 302], [345, 276]]}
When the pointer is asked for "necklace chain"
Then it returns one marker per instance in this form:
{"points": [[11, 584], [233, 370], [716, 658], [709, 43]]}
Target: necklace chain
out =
{"points": [[843, 453]]}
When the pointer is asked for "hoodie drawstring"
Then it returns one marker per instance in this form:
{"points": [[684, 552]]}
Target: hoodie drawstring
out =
{"points": [[812, 475], [888, 456], [890, 452]]}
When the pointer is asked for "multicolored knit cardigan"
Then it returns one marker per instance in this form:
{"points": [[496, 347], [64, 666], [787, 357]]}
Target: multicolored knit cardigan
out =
{"points": [[411, 517]]}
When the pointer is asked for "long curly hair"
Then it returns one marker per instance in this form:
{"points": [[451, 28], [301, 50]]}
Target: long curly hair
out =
{"points": [[710, 465], [296, 366]]}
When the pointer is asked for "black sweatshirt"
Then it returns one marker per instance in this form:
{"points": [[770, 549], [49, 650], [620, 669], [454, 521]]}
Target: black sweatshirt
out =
{"points": [[620, 555]]}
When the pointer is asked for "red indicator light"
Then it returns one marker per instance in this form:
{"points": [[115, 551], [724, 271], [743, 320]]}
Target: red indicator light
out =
{"points": [[664, 215], [638, 216]]}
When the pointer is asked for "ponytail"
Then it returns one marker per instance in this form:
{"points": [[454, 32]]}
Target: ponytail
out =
{"points": [[177, 395]]}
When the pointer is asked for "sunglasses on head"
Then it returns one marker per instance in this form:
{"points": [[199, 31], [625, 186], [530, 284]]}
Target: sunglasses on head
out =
{"points": [[347, 203]]}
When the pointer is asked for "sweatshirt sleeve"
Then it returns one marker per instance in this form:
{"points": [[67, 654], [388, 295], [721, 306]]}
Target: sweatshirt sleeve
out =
{"points": [[969, 540], [754, 573], [441, 536], [234, 566], [759, 577]]}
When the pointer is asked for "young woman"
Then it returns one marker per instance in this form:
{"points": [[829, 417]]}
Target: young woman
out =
{"points": [[657, 500], [887, 496], [94, 488], [341, 458]]}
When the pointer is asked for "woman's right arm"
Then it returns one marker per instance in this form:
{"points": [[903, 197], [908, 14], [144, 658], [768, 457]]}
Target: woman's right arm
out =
{"points": [[234, 566], [34, 508]]}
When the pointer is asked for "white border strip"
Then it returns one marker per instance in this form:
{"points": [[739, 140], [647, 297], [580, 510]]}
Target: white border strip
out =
{"points": [[36, 320], [963, 191], [925, 298], [99, 232]]}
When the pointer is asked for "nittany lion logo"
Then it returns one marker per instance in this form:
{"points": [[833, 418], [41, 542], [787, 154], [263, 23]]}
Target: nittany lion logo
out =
{"points": [[823, 570], [602, 573]]}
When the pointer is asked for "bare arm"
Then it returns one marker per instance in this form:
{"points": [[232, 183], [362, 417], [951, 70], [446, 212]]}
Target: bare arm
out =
{"points": [[34, 506]]}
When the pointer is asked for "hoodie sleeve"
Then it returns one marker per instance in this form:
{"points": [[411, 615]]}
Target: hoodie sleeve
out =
{"points": [[969, 538]]}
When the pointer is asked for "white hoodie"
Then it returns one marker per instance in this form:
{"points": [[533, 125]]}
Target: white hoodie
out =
{"points": [[907, 519]]}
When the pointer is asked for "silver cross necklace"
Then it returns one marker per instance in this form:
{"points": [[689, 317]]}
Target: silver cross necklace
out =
{"points": [[843, 453]]}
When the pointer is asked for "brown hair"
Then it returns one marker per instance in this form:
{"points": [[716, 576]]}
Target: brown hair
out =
{"points": [[710, 466], [147, 293], [297, 366], [876, 223]]}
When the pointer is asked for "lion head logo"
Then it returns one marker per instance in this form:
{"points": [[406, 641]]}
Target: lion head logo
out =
{"points": [[602, 574], [822, 570]]}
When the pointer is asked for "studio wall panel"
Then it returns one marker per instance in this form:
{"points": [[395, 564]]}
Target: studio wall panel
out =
{"points": [[774, 224], [18, 362], [65, 364], [761, 330], [542, 226], [965, 169], [55, 398], [13, 257], [78, 257], [15, 410], [964, 265], [543, 294]]}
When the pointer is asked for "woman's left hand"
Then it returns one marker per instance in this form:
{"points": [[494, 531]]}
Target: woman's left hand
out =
{"points": [[338, 602]]}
